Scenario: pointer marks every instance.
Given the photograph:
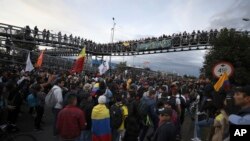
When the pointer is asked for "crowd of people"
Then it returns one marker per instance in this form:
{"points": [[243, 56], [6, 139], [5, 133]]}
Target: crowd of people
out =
{"points": [[181, 39], [122, 108]]}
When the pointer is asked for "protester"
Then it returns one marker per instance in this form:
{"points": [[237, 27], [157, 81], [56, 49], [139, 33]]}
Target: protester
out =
{"points": [[166, 130], [14, 100], [119, 113], [71, 121], [40, 106], [101, 130], [147, 114], [242, 99], [176, 103], [132, 125], [220, 125], [139, 98], [87, 106], [57, 92]]}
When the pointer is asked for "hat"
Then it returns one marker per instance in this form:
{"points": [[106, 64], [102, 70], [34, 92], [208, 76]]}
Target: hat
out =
{"points": [[238, 120], [165, 111], [244, 89], [102, 99]]}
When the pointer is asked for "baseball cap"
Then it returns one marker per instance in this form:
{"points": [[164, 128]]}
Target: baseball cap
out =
{"points": [[239, 120], [165, 111], [244, 89]]}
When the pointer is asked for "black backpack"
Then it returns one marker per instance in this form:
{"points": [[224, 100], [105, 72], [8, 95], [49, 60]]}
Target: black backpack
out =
{"points": [[143, 109], [184, 103], [116, 116], [173, 102]]}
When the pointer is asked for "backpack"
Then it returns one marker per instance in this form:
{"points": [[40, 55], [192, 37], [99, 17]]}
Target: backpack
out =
{"points": [[108, 94], [32, 100], [143, 109], [116, 116], [173, 102], [50, 99], [184, 102]]}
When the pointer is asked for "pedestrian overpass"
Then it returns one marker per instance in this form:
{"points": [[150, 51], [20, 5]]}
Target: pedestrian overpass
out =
{"points": [[70, 46], [67, 45]]}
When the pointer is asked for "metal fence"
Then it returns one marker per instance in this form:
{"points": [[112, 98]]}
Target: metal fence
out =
{"points": [[14, 55]]}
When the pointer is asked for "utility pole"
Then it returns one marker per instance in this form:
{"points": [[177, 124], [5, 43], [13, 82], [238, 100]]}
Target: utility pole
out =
{"points": [[112, 41]]}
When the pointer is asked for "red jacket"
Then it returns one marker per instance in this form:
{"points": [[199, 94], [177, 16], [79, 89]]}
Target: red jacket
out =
{"points": [[70, 122]]}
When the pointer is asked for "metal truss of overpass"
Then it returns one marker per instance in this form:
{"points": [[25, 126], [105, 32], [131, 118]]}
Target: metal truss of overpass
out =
{"points": [[70, 46]]}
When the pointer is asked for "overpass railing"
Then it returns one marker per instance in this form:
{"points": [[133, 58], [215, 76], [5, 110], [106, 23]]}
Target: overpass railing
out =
{"points": [[64, 44]]}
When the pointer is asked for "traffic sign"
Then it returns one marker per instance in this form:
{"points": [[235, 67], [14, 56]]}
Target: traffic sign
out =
{"points": [[222, 67]]}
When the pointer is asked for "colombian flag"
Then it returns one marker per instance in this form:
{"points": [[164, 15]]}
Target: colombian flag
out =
{"points": [[95, 89], [39, 60], [78, 65], [101, 130], [223, 80]]}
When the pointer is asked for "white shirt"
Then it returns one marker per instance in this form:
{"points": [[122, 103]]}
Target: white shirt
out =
{"points": [[58, 95], [177, 101]]}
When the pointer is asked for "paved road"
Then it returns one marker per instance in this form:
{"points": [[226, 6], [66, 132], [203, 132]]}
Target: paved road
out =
{"points": [[26, 124]]}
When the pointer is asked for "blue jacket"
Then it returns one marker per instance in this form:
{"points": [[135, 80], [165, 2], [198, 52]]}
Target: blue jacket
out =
{"points": [[152, 110]]}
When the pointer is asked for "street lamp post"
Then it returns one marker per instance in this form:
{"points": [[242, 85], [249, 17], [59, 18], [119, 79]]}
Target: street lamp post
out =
{"points": [[112, 41]]}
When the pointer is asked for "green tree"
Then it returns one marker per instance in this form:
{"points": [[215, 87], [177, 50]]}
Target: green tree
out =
{"points": [[234, 47]]}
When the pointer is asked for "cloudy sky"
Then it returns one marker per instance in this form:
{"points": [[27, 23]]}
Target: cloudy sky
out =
{"points": [[135, 19]]}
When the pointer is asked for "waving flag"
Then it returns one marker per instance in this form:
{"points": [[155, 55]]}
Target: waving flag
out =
{"points": [[103, 67], [95, 89], [29, 67], [222, 80], [79, 63], [40, 60]]}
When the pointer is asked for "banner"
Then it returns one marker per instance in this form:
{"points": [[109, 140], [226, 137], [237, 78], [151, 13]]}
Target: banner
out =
{"points": [[151, 45]]}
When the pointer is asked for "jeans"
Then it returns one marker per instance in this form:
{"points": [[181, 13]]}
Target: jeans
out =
{"points": [[203, 123], [86, 135], [55, 112]]}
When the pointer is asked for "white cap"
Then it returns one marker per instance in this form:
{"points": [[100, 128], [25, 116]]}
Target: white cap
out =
{"points": [[102, 99]]}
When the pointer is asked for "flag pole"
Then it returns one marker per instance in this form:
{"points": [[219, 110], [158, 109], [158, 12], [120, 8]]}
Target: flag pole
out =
{"points": [[112, 41]]}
